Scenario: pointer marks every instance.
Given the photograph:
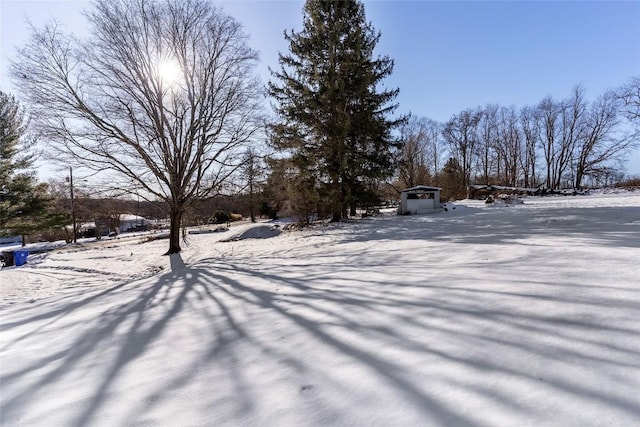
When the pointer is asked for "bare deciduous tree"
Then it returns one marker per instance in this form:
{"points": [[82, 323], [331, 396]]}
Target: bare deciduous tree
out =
{"points": [[461, 134], [252, 174], [572, 119], [529, 127], [161, 96], [487, 140], [422, 152], [436, 149], [547, 116], [630, 96], [602, 142], [509, 145], [413, 165]]}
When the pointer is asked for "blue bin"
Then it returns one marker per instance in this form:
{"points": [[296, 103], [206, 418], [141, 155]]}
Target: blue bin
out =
{"points": [[20, 257]]}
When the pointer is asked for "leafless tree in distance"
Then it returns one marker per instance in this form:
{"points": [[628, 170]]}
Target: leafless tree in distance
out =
{"points": [[252, 173], [529, 127], [602, 141], [461, 132], [414, 164], [629, 96], [629, 93], [488, 129]]}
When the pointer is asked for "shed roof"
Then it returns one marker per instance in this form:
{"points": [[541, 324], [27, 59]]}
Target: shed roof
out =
{"points": [[419, 188], [131, 217]]}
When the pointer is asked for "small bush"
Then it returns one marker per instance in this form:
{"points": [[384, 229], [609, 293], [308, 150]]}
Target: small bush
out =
{"points": [[219, 217], [267, 210], [629, 183]]}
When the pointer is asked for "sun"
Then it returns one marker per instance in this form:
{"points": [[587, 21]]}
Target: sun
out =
{"points": [[169, 71]]}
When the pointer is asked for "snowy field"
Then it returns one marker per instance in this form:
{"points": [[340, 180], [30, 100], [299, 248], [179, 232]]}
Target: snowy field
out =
{"points": [[526, 315]]}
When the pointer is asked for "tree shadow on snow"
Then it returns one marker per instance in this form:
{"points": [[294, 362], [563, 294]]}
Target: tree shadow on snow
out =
{"points": [[447, 351], [607, 226]]}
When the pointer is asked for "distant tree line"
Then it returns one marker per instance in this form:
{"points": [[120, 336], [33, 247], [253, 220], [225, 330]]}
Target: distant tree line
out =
{"points": [[554, 144]]}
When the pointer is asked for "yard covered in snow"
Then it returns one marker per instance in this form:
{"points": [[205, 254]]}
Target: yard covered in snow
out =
{"points": [[525, 315]]}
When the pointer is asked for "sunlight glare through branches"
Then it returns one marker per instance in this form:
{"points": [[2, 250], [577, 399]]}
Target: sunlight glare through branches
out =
{"points": [[169, 71]]}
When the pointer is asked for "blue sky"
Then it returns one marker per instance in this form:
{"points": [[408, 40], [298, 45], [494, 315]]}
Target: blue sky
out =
{"points": [[449, 55]]}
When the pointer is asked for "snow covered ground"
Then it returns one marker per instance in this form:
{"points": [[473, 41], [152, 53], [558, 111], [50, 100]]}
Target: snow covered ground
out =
{"points": [[526, 315]]}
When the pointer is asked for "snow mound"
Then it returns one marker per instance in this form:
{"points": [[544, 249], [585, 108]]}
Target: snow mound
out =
{"points": [[257, 232], [503, 200], [220, 229]]}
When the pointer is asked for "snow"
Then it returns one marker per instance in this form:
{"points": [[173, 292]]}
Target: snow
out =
{"points": [[521, 315]]}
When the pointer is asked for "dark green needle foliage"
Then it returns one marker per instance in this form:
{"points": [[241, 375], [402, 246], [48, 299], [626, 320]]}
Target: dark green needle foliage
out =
{"points": [[334, 127], [25, 205]]}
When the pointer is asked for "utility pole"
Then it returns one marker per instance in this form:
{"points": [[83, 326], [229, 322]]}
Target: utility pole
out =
{"points": [[73, 205], [138, 209]]}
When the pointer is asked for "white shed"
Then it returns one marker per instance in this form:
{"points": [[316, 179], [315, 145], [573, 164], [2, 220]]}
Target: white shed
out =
{"points": [[419, 200]]}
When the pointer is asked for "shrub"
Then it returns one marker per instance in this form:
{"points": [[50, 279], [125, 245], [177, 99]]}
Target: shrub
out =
{"points": [[220, 217], [629, 183]]}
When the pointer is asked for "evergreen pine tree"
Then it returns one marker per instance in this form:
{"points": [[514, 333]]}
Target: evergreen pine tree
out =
{"points": [[452, 179], [25, 206], [333, 119]]}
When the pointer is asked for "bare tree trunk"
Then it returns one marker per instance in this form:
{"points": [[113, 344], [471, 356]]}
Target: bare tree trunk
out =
{"points": [[251, 208], [174, 231], [337, 199], [579, 177]]}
